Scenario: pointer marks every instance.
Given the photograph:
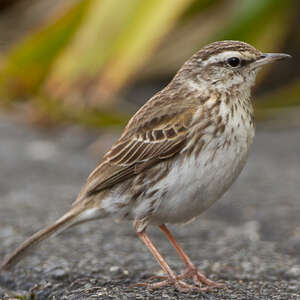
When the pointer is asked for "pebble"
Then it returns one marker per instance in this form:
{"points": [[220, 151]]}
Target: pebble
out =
{"points": [[116, 270], [293, 272], [58, 273]]}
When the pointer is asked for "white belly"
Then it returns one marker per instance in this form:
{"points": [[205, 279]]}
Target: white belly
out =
{"points": [[195, 184]]}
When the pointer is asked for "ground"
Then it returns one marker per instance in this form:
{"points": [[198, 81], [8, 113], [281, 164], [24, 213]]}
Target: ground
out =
{"points": [[250, 240]]}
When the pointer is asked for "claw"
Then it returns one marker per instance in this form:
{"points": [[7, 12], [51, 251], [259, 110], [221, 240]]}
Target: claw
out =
{"points": [[180, 285], [199, 278]]}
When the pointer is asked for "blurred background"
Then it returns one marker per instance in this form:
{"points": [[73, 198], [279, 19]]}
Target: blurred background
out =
{"points": [[93, 62]]}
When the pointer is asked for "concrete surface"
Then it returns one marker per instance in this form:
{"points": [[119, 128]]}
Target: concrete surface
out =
{"points": [[249, 240]]}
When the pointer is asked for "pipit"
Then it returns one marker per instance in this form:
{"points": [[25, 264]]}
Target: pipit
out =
{"points": [[177, 155]]}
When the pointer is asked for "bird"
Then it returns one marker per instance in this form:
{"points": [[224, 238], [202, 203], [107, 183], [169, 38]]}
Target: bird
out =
{"points": [[178, 154]]}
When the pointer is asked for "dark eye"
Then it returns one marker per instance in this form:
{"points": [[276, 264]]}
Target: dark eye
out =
{"points": [[233, 61]]}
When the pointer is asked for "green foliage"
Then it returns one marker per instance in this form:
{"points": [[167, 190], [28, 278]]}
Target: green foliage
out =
{"points": [[251, 18], [75, 64], [269, 106], [56, 111], [116, 43], [26, 66]]}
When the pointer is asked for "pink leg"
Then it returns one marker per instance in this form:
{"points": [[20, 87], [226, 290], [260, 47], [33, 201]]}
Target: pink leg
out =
{"points": [[171, 278], [191, 270]]}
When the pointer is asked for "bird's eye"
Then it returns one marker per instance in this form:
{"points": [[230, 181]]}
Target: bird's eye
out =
{"points": [[233, 61]]}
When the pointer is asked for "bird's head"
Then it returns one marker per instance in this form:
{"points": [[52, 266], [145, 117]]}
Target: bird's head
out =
{"points": [[227, 64]]}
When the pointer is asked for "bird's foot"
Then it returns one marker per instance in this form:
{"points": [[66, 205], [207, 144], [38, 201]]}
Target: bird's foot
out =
{"points": [[199, 278], [180, 285]]}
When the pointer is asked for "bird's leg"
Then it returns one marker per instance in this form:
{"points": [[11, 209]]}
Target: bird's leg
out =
{"points": [[171, 278], [191, 270]]}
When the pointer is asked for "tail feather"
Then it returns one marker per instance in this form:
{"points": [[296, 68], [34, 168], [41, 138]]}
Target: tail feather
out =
{"points": [[61, 224]]}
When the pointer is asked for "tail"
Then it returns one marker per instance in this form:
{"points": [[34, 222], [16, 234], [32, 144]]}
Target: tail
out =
{"points": [[61, 224]]}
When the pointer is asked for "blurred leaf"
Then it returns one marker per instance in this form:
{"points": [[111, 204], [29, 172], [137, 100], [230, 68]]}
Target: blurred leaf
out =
{"points": [[196, 7], [152, 20], [92, 46], [286, 96], [118, 40], [49, 111], [281, 104], [28, 63], [250, 19]]}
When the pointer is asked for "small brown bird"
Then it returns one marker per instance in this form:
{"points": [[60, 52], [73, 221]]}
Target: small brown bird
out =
{"points": [[178, 154]]}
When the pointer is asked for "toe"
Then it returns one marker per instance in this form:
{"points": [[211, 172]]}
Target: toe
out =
{"points": [[199, 277]]}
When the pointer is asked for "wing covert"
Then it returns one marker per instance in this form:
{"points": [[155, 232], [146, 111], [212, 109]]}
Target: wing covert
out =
{"points": [[130, 155]]}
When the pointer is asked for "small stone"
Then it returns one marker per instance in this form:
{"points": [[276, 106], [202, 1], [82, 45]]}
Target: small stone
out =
{"points": [[114, 269], [215, 267], [58, 273], [293, 272], [293, 288], [125, 272], [247, 267]]}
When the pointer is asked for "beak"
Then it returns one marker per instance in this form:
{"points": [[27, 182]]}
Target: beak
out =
{"points": [[266, 58]]}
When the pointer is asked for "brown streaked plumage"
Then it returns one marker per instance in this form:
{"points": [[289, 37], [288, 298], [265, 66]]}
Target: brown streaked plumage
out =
{"points": [[178, 154]]}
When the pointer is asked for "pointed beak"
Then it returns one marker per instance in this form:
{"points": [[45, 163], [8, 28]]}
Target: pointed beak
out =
{"points": [[269, 58]]}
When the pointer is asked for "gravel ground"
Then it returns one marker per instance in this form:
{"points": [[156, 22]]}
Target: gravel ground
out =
{"points": [[250, 240]]}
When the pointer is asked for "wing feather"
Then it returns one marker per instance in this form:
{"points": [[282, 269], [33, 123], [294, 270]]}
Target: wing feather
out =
{"points": [[147, 139], [137, 156]]}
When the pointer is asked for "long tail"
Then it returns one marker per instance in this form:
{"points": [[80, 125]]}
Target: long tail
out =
{"points": [[61, 224]]}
